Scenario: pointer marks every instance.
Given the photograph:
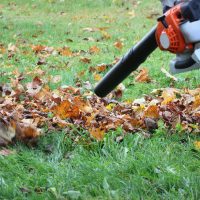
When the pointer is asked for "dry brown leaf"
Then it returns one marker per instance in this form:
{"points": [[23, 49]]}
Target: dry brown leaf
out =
{"points": [[119, 45], [168, 95], [143, 76], [97, 133], [66, 109], [32, 107], [35, 86], [167, 74], [132, 14], [65, 51], [94, 49], [85, 60], [2, 49], [61, 123], [90, 29], [6, 152], [56, 79], [151, 111], [26, 131], [12, 48], [38, 48], [7, 131], [101, 68], [105, 35], [196, 102]]}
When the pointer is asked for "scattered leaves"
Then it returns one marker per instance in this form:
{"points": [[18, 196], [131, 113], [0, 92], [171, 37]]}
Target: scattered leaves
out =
{"points": [[24, 119]]}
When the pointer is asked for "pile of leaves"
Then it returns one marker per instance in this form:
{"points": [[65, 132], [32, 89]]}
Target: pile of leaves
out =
{"points": [[28, 110]]}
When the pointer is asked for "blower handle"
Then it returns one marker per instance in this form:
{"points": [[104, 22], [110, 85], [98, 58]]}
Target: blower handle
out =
{"points": [[130, 62]]}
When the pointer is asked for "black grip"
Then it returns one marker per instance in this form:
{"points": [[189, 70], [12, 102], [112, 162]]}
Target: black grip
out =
{"points": [[191, 10], [130, 62], [183, 64]]}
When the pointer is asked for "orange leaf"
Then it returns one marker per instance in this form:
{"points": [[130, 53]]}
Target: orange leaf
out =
{"points": [[94, 49], [152, 111], [65, 51], [101, 68], [2, 49], [66, 109], [143, 76], [26, 131], [37, 48], [196, 102], [119, 45], [97, 133]]}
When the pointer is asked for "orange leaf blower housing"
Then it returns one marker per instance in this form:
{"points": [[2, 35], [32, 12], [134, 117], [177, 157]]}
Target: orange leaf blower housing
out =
{"points": [[168, 34]]}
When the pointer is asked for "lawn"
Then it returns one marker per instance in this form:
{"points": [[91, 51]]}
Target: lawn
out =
{"points": [[164, 166]]}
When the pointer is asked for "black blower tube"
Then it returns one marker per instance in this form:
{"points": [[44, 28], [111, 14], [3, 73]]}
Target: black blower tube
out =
{"points": [[130, 62]]}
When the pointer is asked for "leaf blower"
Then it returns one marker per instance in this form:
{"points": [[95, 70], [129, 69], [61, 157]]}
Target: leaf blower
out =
{"points": [[177, 31]]}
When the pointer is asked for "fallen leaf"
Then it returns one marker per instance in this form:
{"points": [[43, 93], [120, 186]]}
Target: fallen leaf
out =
{"points": [[65, 51], [167, 74], [131, 14], [151, 111], [97, 133], [56, 79], [6, 152], [97, 77], [90, 29], [143, 76], [119, 45], [105, 35], [38, 48], [168, 95], [197, 145], [26, 131], [7, 131], [66, 109], [85, 60], [94, 49]]}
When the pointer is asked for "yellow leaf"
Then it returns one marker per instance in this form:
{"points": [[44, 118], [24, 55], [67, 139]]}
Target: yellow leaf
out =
{"points": [[97, 77], [131, 14], [110, 106], [168, 96], [196, 103], [197, 145], [106, 35]]}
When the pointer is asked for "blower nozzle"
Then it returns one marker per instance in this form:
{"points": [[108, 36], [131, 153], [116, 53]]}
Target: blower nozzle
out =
{"points": [[128, 63]]}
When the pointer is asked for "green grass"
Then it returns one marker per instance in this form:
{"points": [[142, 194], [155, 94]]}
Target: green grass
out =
{"points": [[162, 167]]}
